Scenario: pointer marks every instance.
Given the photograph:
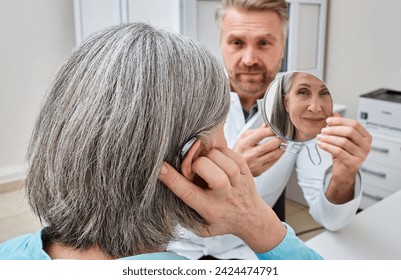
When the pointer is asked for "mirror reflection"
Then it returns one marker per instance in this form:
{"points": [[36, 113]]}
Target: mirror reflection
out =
{"points": [[296, 106]]}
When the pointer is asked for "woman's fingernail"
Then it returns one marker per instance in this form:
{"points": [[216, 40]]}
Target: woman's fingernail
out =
{"points": [[164, 170]]}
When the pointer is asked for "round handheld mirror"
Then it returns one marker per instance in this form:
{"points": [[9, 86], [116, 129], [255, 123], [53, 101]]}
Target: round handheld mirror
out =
{"points": [[296, 106]]}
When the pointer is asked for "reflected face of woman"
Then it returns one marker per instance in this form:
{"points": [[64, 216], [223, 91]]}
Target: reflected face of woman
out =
{"points": [[308, 104]]}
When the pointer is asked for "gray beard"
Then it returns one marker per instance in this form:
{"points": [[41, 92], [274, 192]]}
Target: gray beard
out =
{"points": [[259, 90]]}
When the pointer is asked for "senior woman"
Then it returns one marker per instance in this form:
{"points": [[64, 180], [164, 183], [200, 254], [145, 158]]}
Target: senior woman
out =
{"points": [[125, 102], [302, 103]]}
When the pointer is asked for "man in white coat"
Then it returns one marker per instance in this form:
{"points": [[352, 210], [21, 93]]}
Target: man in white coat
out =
{"points": [[252, 38]]}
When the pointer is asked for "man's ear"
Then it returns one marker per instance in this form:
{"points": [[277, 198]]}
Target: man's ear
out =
{"points": [[192, 154]]}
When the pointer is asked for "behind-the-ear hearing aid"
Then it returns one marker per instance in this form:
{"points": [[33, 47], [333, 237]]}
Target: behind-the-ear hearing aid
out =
{"points": [[186, 147]]}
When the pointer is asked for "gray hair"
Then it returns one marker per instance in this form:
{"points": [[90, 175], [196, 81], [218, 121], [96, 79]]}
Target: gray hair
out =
{"points": [[123, 102], [280, 120], [280, 7]]}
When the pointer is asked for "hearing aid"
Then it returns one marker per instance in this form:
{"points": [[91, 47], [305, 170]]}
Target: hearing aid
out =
{"points": [[187, 146]]}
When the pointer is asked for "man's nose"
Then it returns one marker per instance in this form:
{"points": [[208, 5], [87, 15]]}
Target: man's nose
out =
{"points": [[250, 56]]}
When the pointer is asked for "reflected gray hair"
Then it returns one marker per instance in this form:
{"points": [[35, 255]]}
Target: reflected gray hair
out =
{"points": [[280, 120], [280, 7], [126, 100]]}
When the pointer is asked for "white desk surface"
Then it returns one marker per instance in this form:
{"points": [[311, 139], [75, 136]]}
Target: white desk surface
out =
{"points": [[373, 234]]}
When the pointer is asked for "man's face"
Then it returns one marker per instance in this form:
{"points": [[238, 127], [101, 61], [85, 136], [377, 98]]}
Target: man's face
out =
{"points": [[253, 47]]}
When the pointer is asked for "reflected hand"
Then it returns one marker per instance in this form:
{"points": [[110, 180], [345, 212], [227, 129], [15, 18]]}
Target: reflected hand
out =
{"points": [[260, 155], [231, 204], [349, 143]]}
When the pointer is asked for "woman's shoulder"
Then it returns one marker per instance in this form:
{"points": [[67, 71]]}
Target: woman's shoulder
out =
{"points": [[157, 256], [23, 247]]}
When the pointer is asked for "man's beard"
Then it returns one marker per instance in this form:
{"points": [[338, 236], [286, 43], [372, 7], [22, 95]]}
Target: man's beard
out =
{"points": [[251, 87]]}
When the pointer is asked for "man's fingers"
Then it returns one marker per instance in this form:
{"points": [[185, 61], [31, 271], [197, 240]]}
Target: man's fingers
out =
{"points": [[268, 146], [253, 136]]}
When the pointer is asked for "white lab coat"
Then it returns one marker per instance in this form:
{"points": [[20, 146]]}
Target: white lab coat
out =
{"points": [[313, 179]]}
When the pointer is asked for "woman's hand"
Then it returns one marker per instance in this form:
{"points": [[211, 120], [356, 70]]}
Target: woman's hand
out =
{"points": [[231, 203], [349, 143]]}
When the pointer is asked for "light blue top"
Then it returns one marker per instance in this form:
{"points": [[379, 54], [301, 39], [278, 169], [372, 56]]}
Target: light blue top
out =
{"points": [[30, 247], [290, 248]]}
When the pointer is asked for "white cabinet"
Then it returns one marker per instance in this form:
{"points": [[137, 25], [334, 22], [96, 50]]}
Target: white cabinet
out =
{"points": [[307, 36], [94, 15], [379, 111], [382, 169]]}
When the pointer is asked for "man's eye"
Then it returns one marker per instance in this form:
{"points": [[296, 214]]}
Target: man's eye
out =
{"points": [[237, 43], [264, 43]]}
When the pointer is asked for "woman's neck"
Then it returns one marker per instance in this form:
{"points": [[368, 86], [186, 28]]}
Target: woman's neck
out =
{"points": [[59, 251]]}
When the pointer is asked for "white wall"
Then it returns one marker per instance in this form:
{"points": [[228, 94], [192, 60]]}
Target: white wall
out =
{"points": [[35, 36], [363, 49], [162, 13]]}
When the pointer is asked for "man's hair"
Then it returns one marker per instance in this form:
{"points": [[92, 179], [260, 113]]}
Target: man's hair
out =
{"points": [[125, 101], [280, 7]]}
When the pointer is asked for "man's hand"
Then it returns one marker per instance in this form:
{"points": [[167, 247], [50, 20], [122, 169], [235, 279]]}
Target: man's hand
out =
{"points": [[349, 143], [231, 203], [259, 155]]}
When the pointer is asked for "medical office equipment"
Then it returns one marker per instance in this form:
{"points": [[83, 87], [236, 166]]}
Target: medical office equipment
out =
{"points": [[380, 112]]}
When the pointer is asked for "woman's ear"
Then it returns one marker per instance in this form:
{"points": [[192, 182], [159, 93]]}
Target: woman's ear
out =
{"points": [[286, 104], [192, 154]]}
